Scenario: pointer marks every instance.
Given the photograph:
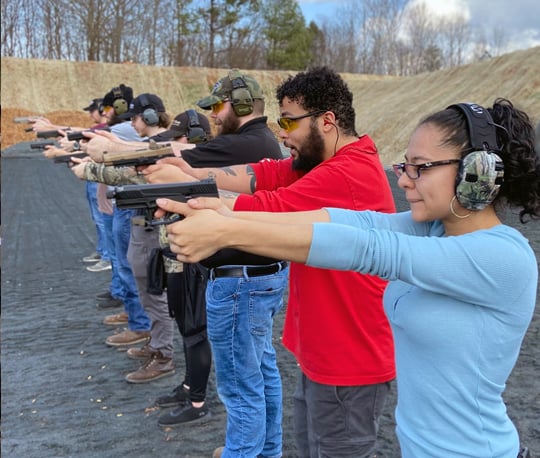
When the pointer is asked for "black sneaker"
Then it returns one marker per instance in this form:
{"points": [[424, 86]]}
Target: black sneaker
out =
{"points": [[109, 304], [178, 397], [104, 296], [183, 415]]}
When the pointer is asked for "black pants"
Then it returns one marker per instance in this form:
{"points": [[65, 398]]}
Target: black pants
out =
{"points": [[185, 294]]}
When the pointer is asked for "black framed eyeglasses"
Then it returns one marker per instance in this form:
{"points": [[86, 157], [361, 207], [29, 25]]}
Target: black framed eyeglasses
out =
{"points": [[289, 123], [413, 170]]}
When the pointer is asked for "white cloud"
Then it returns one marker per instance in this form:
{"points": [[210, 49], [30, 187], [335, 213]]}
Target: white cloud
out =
{"points": [[444, 7]]}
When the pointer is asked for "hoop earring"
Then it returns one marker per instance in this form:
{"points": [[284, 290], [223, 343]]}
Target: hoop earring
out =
{"points": [[454, 212]]}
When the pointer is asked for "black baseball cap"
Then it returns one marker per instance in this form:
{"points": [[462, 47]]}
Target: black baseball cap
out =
{"points": [[182, 123], [141, 103], [95, 104]]}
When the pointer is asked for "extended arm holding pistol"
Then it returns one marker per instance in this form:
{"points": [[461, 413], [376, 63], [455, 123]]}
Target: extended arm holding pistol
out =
{"points": [[144, 197]]}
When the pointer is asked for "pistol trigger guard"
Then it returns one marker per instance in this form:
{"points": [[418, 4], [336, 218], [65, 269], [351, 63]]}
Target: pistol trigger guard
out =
{"points": [[174, 219]]}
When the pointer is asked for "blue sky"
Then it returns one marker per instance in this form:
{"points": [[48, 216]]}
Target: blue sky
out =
{"points": [[519, 19]]}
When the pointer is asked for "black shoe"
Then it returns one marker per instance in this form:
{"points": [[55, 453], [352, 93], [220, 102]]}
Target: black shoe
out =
{"points": [[109, 304], [183, 415], [104, 296], [178, 397]]}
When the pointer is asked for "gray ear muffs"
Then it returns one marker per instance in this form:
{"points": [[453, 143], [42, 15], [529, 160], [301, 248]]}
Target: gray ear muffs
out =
{"points": [[480, 174], [195, 133], [149, 115]]}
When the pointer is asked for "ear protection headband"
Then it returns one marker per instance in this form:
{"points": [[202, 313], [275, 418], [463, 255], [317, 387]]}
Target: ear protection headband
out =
{"points": [[150, 116], [195, 133], [120, 104], [241, 98], [480, 174]]}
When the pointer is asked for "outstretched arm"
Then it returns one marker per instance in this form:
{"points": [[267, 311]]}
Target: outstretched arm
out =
{"points": [[205, 231], [237, 178]]}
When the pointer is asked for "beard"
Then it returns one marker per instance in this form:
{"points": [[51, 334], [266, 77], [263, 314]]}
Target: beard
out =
{"points": [[310, 152], [229, 125]]}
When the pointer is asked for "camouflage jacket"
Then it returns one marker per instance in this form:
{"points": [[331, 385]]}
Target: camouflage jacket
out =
{"points": [[118, 176]]}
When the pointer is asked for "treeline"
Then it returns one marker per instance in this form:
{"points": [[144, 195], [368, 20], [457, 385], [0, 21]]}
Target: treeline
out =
{"points": [[385, 37]]}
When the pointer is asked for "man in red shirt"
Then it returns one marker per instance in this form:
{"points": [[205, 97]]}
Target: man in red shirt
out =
{"points": [[335, 324]]}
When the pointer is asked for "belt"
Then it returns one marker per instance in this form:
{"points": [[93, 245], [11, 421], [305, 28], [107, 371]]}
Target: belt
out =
{"points": [[250, 271]]}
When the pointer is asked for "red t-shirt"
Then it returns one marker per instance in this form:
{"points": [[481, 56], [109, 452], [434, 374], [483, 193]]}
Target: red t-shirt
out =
{"points": [[335, 323]]}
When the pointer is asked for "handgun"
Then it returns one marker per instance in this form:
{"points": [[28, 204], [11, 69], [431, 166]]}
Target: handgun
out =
{"points": [[66, 158], [143, 197], [48, 134], [138, 157], [42, 145], [78, 135], [25, 119]]}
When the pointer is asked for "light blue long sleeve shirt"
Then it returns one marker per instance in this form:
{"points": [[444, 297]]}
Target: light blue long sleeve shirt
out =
{"points": [[459, 308]]}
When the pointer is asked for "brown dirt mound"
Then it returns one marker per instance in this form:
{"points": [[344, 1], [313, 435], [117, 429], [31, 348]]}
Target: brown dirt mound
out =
{"points": [[13, 133]]}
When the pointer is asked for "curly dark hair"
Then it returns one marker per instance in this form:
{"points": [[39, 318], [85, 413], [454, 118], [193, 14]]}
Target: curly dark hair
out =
{"points": [[321, 88], [521, 185]]}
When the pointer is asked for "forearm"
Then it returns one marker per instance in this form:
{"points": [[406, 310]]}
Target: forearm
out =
{"points": [[300, 217], [291, 242], [112, 176], [237, 178]]}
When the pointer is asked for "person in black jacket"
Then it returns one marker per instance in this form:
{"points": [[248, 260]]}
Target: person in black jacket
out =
{"points": [[243, 293]]}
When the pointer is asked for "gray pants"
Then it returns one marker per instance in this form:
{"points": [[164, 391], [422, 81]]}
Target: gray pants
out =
{"points": [[141, 243], [337, 421]]}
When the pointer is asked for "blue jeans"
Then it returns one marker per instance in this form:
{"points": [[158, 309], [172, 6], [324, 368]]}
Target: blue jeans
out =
{"points": [[97, 217], [116, 289], [240, 314], [138, 320]]}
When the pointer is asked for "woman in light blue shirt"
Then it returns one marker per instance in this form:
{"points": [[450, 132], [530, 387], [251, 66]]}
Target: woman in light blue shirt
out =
{"points": [[462, 287]]}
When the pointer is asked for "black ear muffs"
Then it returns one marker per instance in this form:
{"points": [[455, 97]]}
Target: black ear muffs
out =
{"points": [[120, 105], [481, 172], [195, 133], [241, 98], [150, 116]]}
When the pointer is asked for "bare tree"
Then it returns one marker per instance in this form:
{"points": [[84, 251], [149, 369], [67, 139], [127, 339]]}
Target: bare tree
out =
{"points": [[455, 34], [10, 20]]}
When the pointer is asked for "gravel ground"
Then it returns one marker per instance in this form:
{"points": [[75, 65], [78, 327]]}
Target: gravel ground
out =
{"points": [[63, 389]]}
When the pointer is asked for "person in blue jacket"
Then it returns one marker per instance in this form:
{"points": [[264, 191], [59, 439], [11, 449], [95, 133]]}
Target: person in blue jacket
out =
{"points": [[462, 284]]}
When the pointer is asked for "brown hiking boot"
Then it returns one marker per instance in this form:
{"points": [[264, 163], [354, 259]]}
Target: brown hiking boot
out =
{"points": [[116, 320], [155, 368], [143, 353], [128, 337]]}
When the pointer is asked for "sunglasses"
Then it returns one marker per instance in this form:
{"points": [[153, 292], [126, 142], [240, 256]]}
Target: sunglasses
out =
{"points": [[217, 107], [290, 123]]}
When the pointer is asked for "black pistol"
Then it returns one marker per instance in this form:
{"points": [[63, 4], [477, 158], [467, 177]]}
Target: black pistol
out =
{"points": [[143, 197]]}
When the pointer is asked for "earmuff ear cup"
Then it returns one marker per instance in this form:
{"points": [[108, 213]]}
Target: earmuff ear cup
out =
{"points": [[241, 98], [120, 106], [242, 102], [195, 133], [150, 117], [479, 179]]}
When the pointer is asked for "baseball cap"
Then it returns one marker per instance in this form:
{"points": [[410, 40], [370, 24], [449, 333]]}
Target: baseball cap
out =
{"points": [[95, 104], [223, 88], [141, 103], [183, 126]]}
